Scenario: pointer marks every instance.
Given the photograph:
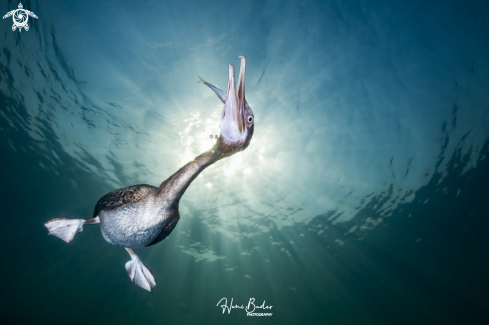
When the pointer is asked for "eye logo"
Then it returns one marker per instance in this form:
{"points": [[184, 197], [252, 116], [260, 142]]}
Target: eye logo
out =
{"points": [[20, 17]]}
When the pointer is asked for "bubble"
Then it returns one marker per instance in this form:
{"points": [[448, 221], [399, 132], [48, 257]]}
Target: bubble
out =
{"points": [[212, 136], [215, 136]]}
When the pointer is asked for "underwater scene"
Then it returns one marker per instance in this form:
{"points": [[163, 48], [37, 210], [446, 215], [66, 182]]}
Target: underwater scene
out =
{"points": [[244, 162]]}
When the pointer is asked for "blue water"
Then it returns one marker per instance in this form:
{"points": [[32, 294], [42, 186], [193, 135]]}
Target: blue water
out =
{"points": [[360, 200]]}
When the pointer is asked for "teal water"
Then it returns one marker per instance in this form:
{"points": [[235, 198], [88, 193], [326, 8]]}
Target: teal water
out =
{"points": [[360, 200]]}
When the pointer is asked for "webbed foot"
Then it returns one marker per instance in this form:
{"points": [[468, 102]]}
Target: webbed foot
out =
{"points": [[66, 229], [139, 274]]}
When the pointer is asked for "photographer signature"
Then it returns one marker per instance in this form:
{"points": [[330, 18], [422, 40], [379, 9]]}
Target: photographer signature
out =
{"points": [[250, 308]]}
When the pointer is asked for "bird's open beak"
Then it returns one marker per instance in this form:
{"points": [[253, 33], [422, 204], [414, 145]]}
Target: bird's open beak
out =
{"points": [[241, 89], [232, 124]]}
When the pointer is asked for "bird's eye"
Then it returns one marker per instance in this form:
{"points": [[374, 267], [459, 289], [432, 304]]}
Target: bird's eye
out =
{"points": [[250, 118]]}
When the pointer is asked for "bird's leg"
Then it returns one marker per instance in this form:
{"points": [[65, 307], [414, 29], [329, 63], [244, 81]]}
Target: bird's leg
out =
{"points": [[66, 228], [139, 274]]}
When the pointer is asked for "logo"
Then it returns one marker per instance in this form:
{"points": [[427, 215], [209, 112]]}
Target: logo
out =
{"points": [[251, 309], [20, 16]]}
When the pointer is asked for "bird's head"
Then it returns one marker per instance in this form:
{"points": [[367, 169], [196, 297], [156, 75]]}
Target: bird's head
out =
{"points": [[237, 119]]}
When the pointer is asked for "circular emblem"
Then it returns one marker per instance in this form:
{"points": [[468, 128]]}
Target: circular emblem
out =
{"points": [[20, 18]]}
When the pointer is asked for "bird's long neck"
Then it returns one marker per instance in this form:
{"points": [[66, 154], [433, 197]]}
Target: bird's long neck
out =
{"points": [[172, 189]]}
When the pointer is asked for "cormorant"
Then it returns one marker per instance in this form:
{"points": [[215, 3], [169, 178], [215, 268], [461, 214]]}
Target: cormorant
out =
{"points": [[143, 215]]}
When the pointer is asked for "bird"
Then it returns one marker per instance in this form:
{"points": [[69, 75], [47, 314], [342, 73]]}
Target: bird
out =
{"points": [[143, 215]]}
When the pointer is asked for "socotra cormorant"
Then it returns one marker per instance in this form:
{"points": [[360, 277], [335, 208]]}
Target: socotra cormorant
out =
{"points": [[143, 215]]}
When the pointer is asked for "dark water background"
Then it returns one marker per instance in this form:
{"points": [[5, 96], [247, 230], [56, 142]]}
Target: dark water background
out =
{"points": [[387, 101]]}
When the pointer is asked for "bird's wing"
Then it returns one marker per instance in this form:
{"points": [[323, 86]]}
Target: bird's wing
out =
{"points": [[127, 195], [30, 13], [8, 14]]}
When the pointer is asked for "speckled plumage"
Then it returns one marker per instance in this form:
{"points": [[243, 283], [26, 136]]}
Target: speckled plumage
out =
{"points": [[133, 217]]}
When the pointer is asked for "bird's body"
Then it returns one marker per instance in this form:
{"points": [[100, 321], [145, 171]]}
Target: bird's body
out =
{"points": [[143, 215], [133, 217]]}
